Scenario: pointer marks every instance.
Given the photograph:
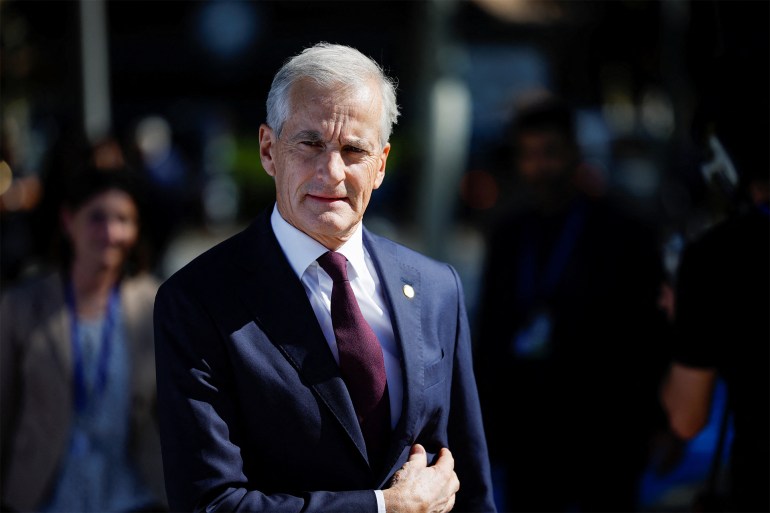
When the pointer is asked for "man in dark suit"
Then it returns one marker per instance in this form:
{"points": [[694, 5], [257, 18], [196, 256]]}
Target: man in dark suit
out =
{"points": [[256, 410], [569, 332]]}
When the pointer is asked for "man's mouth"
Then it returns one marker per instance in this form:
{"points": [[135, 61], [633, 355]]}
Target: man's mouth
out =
{"points": [[327, 199]]}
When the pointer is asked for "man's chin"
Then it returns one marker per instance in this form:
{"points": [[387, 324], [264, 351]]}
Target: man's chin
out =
{"points": [[332, 225]]}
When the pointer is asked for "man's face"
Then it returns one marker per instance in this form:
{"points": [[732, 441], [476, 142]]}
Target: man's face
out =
{"points": [[327, 160], [544, 157], [546, 163]]}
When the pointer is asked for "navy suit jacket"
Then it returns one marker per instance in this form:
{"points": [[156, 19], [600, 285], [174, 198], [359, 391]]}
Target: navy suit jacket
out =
{"points": [[253, 411]]}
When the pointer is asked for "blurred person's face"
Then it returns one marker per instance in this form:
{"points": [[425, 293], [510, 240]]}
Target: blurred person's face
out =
{"points": [[327, 160], [104, 230], [546, 161]]}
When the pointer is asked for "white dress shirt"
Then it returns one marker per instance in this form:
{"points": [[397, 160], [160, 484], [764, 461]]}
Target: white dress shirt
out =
{"points": [[302, 251]]}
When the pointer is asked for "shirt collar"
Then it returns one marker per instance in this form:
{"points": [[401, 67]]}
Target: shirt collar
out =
{"points": [[302, 250]]}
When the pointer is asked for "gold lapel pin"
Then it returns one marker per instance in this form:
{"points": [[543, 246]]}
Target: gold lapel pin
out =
{"points": [[408, 291]]}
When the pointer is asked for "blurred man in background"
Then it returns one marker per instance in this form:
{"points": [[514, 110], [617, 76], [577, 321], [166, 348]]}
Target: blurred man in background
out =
{"points": [[722, 291], [569, 345]]}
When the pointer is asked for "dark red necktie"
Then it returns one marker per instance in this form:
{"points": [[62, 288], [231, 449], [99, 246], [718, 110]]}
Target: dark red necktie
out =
{"points": [[361, 362]]}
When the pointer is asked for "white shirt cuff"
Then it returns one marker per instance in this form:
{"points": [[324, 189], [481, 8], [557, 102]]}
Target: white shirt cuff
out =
{"points": [[380, 501]]}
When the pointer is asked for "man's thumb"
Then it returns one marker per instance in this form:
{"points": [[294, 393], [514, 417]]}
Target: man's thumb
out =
{"points": [[417, 453]]}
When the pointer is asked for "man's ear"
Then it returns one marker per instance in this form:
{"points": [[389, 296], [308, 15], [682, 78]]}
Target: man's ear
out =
{"points": [[267, 139]]}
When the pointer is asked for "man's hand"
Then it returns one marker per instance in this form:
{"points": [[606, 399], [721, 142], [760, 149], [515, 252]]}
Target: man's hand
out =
{"points": [[418, 488]]}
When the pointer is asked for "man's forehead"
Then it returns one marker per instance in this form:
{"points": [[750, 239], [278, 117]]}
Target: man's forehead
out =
{"points": [[338, 96], [341, 124]]}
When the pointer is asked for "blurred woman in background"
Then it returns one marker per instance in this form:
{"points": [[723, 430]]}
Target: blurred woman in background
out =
{"points": [[78, 428]]}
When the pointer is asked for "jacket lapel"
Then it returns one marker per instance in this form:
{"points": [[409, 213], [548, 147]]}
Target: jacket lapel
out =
{"points": [[58, 330], [403, 292], [279, 304]]}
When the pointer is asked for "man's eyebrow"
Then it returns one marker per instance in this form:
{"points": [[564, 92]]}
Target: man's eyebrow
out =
{"points": [[315, 136], [306, 135], [359, 142]]}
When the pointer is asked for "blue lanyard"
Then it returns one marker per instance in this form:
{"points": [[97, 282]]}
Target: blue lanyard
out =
{"points": [[529, 289], [81, 392]]}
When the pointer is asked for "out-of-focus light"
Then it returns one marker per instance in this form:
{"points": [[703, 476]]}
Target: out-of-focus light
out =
{"points": [[620, 114], [220, 200], [6, 177], [108, 154], [618, 109], [227, 27], [153, 138], [638, 177], [18, 194], [479, 189], [523, 11], [657, 114]]}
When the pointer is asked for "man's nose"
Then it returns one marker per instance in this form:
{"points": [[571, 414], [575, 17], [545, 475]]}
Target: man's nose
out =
{"points": [[333, 165]]}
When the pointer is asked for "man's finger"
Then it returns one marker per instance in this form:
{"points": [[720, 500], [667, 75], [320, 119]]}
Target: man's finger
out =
{"points": [[445, 459], [444, 466]]}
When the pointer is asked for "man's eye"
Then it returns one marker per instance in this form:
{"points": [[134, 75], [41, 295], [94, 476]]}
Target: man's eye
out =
{"points": [[353, 149]]}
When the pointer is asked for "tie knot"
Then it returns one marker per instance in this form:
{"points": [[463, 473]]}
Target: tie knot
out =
{"points": [[335, 265]]}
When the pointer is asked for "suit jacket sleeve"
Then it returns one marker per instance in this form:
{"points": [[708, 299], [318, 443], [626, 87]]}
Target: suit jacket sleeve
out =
{"points": [[465, 431]]}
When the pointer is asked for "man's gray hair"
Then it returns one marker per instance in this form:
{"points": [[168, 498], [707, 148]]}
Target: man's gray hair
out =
{"points": [[331, 65]]}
